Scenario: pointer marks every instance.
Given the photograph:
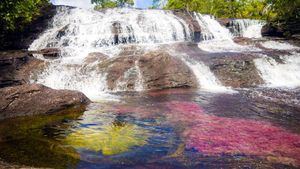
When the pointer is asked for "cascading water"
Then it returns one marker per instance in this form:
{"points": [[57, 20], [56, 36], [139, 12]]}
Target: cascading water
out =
{"points": [[78, 32], [285, 74], [206, 79], [217, 38], [248, 28]]}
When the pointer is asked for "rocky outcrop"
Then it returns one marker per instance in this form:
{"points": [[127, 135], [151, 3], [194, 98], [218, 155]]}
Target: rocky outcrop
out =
{"points": [[192, 23], [116, 69], [161, 70], [95, 57], [16, 67], [236, 71], [48, 53], [152, 70], [33, 99], [271, 30]]}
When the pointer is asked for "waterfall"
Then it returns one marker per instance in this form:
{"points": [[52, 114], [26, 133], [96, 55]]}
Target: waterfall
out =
{"points": [[211, 28], [78, 32], [138, 86], [248, 28], [217, 38], [205, 77], [285, 74]]}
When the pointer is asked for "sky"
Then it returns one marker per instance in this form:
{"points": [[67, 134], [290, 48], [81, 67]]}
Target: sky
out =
{"points": [[87, 3]]}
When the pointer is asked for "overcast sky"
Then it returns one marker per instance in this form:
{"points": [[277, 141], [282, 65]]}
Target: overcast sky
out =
{"points": [[87, 3]]}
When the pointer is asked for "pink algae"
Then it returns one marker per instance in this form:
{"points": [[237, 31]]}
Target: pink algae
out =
{"points": [[213, 135]]}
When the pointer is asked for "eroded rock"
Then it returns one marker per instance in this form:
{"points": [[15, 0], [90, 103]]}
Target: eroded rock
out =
{"points": [[236, 71], [33, 99], [16, 67], [161, 70]]}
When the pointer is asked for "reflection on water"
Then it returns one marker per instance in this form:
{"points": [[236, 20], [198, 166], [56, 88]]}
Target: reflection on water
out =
{"points": [[115, 138], [163, 129]]}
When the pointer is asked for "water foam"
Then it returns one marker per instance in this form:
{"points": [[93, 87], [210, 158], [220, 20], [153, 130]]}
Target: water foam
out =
{"points": [[286, 74]]}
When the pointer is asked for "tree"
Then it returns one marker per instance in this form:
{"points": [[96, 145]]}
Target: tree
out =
{"points": [[112, 3], [14, 14]]}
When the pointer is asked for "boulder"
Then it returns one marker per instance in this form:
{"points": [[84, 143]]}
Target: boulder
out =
{"points": [[95, 57], [271, 30], [33, 99], [192, 23], [153, 70], [160, 70], [48, 53], [116, 69], [238, 71], [16, 67]]}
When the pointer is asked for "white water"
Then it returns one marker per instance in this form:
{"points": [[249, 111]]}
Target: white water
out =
{"points": [[217, 38], [139, 82], [279, 45], [78, 32], [206, 79], [211, 28], [247, 28], [276, 74]]}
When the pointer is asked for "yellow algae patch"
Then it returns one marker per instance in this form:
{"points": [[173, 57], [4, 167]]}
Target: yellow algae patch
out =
{"points": [[111, 139]]}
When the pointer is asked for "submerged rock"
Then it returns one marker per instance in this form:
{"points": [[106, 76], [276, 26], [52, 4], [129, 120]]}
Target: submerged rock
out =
{"points": [[32, 99]]}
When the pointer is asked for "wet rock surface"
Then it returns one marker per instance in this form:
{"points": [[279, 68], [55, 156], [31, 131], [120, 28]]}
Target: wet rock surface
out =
{"points": [[16, 67], [192, 23], [157, 70], [48, 53], [161, 70], [237, 71], [33, 99]]}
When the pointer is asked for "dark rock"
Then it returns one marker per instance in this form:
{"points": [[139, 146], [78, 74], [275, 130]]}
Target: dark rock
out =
{"points": [[192, 23], [236, 71], [271, 30], [48, 53], [225, 21], [161, 70], [16, 67], [33, 99]]}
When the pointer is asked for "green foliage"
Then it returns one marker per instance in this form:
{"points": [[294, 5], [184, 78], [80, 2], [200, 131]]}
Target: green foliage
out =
{"points": [[284, 9], [14, 14], [222, 8], [254, 9], [111, 3]]}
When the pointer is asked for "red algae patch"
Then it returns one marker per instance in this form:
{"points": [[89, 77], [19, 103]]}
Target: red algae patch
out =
{"points": [[213, 135]]}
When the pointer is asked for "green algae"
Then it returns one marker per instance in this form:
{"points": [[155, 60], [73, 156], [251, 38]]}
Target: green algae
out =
{"points": [[115, 138]]}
